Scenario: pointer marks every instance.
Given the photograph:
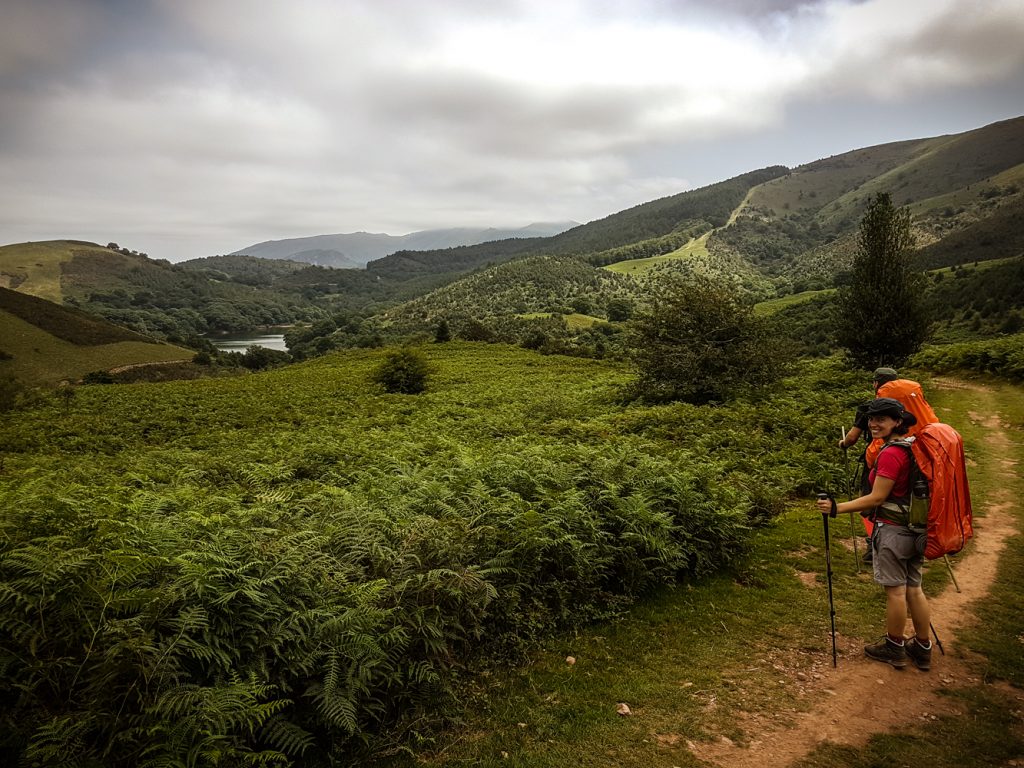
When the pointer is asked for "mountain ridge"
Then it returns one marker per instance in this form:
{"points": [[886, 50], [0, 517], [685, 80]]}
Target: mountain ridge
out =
{"points": [[355, 249]]}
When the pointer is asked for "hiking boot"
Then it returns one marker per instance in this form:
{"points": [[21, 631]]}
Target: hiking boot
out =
{"points": [[921, 656], [887, 651]]}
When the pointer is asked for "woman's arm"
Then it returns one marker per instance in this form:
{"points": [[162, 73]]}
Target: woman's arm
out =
{"points": [[851, 438], [879, 493]]}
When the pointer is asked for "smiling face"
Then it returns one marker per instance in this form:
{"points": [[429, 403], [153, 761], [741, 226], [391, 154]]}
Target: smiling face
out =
{"points": [[881, 426]]}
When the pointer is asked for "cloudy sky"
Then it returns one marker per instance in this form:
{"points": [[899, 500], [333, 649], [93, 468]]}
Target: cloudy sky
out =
{"points": [[186, 128]]}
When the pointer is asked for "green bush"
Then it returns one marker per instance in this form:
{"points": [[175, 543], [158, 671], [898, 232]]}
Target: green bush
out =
{"points": [[11, 393], [404, 371], [695, 340], [999, 357]]}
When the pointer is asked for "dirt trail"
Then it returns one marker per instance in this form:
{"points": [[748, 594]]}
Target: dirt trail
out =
{"points": [[150, 364], [861, 697]]}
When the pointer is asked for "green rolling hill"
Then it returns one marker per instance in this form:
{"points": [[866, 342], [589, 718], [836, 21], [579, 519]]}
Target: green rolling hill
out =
{"points": [[43, 342]]}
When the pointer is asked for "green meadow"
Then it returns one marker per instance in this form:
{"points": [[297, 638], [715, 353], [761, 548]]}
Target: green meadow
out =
{"points": [[296, 568]]}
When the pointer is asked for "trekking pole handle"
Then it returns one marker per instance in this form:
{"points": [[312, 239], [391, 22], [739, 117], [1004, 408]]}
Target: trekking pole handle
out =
{"points": [[831, 498]]}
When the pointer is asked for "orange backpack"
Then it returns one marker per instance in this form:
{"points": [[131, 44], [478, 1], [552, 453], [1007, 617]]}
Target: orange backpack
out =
{"points": [[938, 456], [912, 398]]}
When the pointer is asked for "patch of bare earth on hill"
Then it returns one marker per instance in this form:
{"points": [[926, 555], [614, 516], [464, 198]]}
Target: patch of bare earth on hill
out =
{"points": [[861, 697]]}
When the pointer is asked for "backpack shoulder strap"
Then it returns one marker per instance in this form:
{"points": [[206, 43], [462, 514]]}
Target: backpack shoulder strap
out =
{"points": [[902, 503]]}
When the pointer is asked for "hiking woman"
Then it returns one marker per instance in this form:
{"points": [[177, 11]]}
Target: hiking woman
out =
{"points": [[896, 562]]}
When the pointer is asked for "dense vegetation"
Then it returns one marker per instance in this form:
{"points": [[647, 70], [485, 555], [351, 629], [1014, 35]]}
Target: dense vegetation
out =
{"points": [[695, 340], [172, 302], [979, 301], [247, 270], [1003, 357], [308, 575], [998, 235], [772, 245]]}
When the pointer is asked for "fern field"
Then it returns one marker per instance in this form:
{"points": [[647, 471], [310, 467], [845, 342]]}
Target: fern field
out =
{"points": [[294, 567]]}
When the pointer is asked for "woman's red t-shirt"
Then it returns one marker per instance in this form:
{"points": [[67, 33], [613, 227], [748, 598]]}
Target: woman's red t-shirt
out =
{"points": [[893, 463]]}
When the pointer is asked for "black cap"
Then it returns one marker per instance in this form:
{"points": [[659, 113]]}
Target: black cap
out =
{"points": [[886, 406], [883, 375]]}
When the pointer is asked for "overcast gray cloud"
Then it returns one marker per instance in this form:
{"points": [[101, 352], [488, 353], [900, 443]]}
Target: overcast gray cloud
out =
{"points": [[185, 128]]}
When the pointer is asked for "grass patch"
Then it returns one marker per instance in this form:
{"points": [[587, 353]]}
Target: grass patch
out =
{"points": [[38, 357], [574, 321], [36, 268], [774, 305], [696, 247], [989, 735]]}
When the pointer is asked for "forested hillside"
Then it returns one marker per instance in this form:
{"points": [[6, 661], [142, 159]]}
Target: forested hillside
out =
{"points": [[964, 192], [153, 297], [690, 212]]}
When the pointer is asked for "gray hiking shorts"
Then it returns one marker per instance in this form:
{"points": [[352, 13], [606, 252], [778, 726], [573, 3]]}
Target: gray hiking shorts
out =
{"points": [[896, 560]]}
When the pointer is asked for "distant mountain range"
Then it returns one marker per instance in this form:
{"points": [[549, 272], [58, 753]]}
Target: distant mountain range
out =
{"points": [[354, 250]]}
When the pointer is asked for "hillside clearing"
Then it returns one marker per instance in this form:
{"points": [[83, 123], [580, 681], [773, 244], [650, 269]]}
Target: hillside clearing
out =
{"points": [[695, 247], [35, 268]]}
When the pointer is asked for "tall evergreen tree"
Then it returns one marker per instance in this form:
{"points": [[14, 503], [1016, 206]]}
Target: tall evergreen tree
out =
{"points": [[883, 314]]}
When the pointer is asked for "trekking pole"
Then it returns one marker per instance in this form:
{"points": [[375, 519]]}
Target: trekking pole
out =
{"points": [[849, 495], [937, 641], [951, 575], [828, 572]]}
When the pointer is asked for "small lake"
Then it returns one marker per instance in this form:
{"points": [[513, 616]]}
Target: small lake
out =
{"points": [[241, 342]]}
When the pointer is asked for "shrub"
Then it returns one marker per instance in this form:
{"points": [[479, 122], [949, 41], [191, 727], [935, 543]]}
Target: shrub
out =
{"points": [[1001, 357], [257, 358], [11, 392], [98, 377], [696, 341], [404, 371]]}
